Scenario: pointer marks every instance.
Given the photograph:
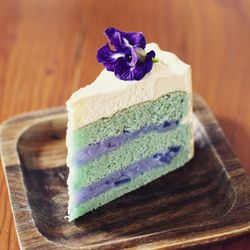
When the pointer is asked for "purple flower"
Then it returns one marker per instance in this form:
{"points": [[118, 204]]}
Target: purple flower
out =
{"points": [[129, 60]]}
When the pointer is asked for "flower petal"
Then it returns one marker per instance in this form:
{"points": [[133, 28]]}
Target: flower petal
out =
{"points": [[115, 38], [108, 57], [122, 69], [121, 40], [124, 72], [136, 39], [134, 58]]}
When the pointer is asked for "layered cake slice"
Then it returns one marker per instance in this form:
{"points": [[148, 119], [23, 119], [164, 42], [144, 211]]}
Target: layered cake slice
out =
{"points": [[132, 125]]}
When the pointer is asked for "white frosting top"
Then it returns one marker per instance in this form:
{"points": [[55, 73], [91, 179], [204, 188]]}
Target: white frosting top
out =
{"points": [[108, 94]]}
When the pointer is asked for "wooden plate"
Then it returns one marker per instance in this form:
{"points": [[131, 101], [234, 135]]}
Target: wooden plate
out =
{"points": [[205, 201]]}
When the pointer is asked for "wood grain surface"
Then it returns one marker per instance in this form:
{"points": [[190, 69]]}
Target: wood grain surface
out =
{"points": [[203, 202], [47, 51]]}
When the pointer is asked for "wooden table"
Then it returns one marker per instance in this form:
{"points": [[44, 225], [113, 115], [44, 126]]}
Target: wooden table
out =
{"points": [[48, 48]]}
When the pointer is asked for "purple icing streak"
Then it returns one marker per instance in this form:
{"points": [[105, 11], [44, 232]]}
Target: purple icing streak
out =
{"points": [[95, 150], [125, 175]]}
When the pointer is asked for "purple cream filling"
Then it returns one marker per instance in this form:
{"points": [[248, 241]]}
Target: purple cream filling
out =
{"points": [[125, 175], [94, 150]]}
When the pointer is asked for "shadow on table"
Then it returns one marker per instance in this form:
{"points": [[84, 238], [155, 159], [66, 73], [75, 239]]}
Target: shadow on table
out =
{"points": [[239, 139]]}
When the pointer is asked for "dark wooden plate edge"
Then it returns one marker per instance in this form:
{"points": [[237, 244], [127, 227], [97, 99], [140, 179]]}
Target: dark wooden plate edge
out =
{"points": [[25, 225], [214, 232]]}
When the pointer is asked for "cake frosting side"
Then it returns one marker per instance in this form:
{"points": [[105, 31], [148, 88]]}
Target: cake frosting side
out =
{"points": [[170, 74]]}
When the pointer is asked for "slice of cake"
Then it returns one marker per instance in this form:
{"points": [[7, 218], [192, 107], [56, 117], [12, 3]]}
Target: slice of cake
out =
{"points": [[128, 127]]}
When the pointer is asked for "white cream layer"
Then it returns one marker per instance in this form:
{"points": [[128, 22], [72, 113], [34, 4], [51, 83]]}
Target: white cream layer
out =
{"points": [[107, 94]]}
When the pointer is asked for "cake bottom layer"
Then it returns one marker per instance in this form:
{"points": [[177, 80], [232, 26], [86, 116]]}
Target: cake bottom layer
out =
{"points": [[177, 160], [125, 175]]}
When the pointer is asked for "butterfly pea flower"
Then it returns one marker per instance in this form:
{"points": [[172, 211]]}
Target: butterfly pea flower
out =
{"points": [[128, 60]]}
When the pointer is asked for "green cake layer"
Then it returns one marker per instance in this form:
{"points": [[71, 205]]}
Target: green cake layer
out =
{"points": [[137, 149], [173, 106]]}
